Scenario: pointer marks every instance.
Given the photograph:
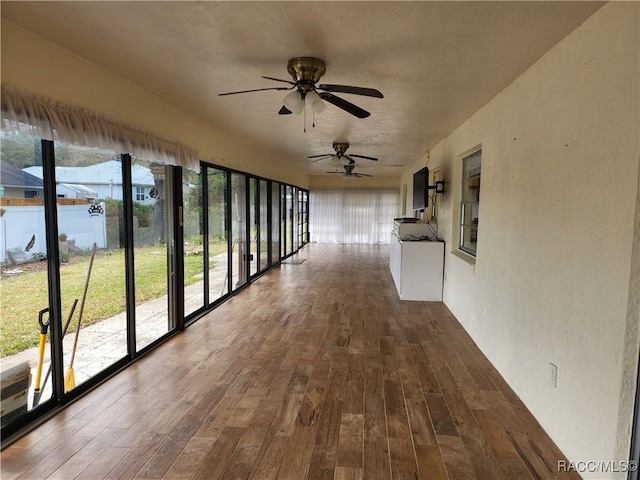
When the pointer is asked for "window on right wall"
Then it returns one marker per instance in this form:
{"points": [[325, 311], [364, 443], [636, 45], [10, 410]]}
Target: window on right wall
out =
{"points": [[470, 202]]}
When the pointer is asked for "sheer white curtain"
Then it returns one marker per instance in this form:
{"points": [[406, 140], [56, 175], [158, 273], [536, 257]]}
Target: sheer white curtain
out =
{"points": [[35, 115], [352, 215]]}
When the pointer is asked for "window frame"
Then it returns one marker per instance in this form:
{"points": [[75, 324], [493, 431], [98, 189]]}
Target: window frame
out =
{"points": [[470, 202]]}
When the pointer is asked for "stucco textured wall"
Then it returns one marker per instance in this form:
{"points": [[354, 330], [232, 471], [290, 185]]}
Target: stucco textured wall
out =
{"points": [[553, 276]]}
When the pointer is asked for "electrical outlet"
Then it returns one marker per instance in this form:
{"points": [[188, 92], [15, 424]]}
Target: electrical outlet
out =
{"points": [[553, 375]]}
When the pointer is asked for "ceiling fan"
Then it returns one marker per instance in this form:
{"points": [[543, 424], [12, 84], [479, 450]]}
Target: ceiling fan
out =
{"points": [[349, 173], [340, 157], [306, 71]]}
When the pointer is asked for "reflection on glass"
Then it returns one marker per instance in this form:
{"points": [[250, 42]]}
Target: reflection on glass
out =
{"points": [[275, 222], [304, 229], [217, 235], [150, 237], [193, 258], [253, 226], [238, 230], [289, 219], [264, 226], [92, 257], [23, 283], [283, 222]]}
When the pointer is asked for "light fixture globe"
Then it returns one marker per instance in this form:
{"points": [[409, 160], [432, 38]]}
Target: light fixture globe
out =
{"points": [[314, 102], [293, 101]]}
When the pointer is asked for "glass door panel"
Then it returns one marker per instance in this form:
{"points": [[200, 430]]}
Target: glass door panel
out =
{"points": [[238, 230], [283, 222], [294, 218], [263, 232], [253, 226], [217, 235], [193, 236], [23, 283], [151, 239], [275, 222], [92, 259], [289, 220]]}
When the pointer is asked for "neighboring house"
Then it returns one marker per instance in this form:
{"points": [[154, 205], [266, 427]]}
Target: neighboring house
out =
{"points": [[18, 183], [68, 190], [104, 180]]}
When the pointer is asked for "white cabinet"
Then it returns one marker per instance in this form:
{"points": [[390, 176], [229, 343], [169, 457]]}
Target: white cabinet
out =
{"points": [[417, 269]]}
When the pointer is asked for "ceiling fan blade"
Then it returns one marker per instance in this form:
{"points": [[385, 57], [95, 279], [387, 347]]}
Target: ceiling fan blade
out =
{"points": [[322, 155], [369, 92], [364, 156], [344, 105], [362, 175], [284, 111], [255, 90], [339, 173], [322, 158], [350, 161], [278, 80]]}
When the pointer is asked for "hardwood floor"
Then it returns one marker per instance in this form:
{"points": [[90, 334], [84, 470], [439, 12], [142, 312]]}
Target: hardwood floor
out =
{"points": [[315, 371]]}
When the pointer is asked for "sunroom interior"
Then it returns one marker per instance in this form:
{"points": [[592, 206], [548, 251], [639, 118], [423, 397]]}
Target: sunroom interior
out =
{"points": [[141, 198]]}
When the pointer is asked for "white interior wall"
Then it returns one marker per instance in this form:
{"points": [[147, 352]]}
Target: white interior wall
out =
{"points": [[552, 276]]}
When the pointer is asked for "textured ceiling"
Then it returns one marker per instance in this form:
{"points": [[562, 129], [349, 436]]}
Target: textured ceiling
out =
{"points": [[435, 62]]}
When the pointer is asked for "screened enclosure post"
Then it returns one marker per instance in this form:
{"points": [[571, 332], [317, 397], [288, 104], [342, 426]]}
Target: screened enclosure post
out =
{"points": [[53, 266], [176, 284], [130, 285], [204, 182]]}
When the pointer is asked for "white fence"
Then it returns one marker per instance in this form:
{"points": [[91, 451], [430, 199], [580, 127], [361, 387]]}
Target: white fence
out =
{"points": [[20, 224]]}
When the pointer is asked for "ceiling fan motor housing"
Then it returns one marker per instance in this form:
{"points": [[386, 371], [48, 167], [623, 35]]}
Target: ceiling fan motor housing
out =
{"points": [[306, 71], [340, 148]]}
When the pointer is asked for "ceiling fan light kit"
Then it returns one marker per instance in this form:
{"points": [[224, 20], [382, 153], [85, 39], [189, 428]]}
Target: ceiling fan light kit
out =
{"points": [[315, 103], [294, 102]]}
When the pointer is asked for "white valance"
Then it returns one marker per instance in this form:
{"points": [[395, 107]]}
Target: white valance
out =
{"points": [[35, 115]]}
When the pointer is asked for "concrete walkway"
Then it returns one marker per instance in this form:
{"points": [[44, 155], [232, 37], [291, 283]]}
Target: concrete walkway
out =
{"points": [[103, 343]]}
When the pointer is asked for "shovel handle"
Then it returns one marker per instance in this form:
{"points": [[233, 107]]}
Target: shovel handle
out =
{"points": [[44, 326]]}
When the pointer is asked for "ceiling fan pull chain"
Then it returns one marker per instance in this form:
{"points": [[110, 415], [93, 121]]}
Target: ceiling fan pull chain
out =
{"points": [[304, 112], [314, 119]]}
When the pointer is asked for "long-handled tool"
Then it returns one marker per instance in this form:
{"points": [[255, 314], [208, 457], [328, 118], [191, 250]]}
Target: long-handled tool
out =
{"points": [[69, 377], [44, 326], [64, 332]]}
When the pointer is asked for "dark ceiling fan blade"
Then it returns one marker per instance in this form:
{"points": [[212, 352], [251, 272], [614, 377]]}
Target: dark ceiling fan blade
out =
{"points": [[361, 175], [344, 105], [339, 173], [255, 90], [322, 155], [369, 92], [322, 158], [351, 160], [278, 80], [284, 111], [364, 156]]}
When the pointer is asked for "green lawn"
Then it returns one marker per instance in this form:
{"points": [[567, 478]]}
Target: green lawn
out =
{"points": [[22, 296]]}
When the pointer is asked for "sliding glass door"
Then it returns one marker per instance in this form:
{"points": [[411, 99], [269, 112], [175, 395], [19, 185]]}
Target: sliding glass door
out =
{"points": [[193, 234], [264, 257], [239, 244], [217, 233], [152, 239], [254, 227], [92, 243]]}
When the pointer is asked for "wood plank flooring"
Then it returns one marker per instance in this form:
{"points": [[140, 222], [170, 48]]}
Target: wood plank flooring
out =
{"points": [[316, 371]]}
